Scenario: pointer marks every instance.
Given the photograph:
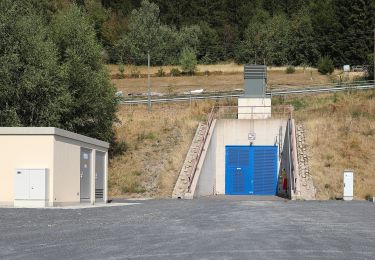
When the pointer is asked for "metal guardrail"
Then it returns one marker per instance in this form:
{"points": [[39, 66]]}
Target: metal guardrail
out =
{"points": [[290, 159], [327, 88]]}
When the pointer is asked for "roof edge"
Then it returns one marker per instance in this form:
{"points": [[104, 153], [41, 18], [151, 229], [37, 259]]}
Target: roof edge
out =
{"points": [[52, 131]]}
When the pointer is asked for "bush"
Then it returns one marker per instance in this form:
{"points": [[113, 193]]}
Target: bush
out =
{"points": [[132, 187], [117, 147], [121, 69], [298, 104], [325, 65], [134, 72], [290, 70], [175, 72], [370, 69], [160, 73], [188, 61]]}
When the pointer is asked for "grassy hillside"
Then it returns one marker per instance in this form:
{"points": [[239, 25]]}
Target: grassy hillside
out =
{"points": [[340, 133], [157, 145]]}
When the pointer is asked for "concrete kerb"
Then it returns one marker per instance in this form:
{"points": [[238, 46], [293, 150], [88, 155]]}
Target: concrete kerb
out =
{"points": [[80, 206], [190, 194]]}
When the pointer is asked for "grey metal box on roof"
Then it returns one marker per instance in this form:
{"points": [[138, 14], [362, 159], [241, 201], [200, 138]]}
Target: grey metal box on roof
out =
{"points": [[255, 80]]}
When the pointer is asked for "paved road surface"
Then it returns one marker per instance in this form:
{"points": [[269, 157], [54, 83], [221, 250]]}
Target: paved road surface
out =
{"points": [[218, 228]]}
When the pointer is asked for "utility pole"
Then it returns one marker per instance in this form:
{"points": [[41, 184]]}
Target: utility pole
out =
{"points": [[148, 81]]}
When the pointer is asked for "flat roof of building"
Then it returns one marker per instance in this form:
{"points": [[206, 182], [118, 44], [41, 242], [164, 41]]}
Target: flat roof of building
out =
{"points": [[52, 131]]}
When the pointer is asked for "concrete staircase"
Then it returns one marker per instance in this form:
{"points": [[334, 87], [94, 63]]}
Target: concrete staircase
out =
{"points": [[191, 159]]}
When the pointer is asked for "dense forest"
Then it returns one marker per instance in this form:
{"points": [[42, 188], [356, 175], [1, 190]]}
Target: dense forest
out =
{"points": [[278, 32]]}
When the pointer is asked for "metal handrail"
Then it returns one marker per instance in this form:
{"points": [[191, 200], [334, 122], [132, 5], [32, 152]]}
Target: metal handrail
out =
{"points": [[290, 159]]}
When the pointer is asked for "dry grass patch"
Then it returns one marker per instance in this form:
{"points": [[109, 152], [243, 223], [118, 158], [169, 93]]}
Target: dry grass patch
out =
{"points": [[216, 82], [158, 142], [340, 134]]}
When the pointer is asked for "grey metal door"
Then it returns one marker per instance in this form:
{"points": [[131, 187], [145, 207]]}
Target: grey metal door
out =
{"points": [[85, 174], [99, 175]]}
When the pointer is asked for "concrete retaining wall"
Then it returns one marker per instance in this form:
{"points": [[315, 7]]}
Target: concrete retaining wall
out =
{"points": [[233, 132]]}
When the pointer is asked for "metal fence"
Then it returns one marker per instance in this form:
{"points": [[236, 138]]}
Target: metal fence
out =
{"points": [[311, 89]]}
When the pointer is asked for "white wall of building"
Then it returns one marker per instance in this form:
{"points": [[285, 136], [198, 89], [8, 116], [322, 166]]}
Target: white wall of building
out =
{"points": [[23, 152], [53, 149]]}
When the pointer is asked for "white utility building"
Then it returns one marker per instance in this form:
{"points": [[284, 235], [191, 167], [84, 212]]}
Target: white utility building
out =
{"points": [[47, 166]]}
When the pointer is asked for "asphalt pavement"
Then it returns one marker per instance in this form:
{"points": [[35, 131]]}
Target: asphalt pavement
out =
{"points": [[208, 228]]}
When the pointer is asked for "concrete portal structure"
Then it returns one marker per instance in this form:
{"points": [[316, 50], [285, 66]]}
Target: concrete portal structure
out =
{"points": [[210, 178], [243, 156], [47, 166]]}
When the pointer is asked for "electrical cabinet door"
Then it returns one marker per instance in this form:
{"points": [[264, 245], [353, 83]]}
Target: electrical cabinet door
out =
{"points": [[37, 184], [85, 182], [21, 184], [30, 184]]}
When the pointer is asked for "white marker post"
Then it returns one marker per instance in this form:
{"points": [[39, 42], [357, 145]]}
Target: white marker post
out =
{"points": [[348, 185]]}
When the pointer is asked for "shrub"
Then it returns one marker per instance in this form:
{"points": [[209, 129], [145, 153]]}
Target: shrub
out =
{"points": [[134, 72], [325, 65], [206, 60], [370, 69], [175, 72], [188, 61], [117, 147], [290, 70], [298, 104], [160, 73], [121, 69], [132, 187]]}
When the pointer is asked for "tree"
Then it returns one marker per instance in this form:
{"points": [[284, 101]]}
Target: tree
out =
{"points": [[326, 28], [303, 48], [188, 60], [267, 41], [144, 25], [32, 92], [97, 14], [325, 65], [210, 50], [147, 34], [93, 107], [354, 41]]}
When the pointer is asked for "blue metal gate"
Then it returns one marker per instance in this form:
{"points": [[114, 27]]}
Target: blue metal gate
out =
{"points": [[237, 170], [264, 169], [251, 170]]}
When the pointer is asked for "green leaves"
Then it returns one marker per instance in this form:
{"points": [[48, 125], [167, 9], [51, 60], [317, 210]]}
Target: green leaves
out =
{"points": [[52, 75], [147, 34], [325, 65], [93, 106], [30, 86], [188, 60]]}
